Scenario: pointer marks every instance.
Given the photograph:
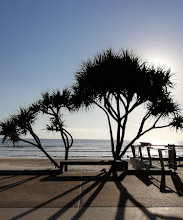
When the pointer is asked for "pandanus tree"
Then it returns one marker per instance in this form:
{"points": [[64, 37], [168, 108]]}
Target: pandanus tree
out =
{"points": [[14, 128], [53, 105], [120, 82]]}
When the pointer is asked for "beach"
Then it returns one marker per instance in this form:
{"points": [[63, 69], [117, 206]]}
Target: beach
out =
{"points": [[25, 163], [86, 193], [43, 164]]}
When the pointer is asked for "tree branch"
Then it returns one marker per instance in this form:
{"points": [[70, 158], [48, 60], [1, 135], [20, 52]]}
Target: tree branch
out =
{"points": [[110, 128], [69, 136], [122, 101], [110, 109], [140, 133], [28, 142], [123, 127], [40, 147]]}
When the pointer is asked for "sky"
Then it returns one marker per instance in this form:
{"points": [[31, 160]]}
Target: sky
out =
{"points": [[44, 42]]}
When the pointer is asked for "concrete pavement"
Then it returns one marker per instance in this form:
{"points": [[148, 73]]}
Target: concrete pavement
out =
{"points": [[94, 213], [91, 195]]}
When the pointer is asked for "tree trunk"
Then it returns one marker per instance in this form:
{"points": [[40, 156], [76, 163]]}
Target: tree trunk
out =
{"points": [[66, 158], [41, 148], [118, 143], [117, 154], [49, 157]]}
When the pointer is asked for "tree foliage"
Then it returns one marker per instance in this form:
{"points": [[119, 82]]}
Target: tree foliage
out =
{"points": [[118, 83], [53, 104], [17, 126]]}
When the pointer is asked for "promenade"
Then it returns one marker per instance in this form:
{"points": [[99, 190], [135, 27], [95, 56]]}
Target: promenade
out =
{"points": [[91, 194]]}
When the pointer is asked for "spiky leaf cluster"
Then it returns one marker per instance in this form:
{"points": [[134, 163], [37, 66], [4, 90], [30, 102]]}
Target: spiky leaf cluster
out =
{"points": [[124, 74]]}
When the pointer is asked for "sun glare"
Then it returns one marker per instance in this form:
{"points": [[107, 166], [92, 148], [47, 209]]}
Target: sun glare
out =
{"points": [[155, 141], [160, 142], [159, 61]]}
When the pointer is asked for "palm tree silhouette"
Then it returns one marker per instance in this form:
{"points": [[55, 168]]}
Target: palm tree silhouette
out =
{"points": [[20, 124], [53, 104], [118, 83]]}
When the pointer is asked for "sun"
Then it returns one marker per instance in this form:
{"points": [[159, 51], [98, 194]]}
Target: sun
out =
{"points": [[159, 61]]}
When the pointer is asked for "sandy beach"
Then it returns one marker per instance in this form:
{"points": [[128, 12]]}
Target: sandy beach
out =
{"points": [[87, 193], [41, 164], [25, 163]]}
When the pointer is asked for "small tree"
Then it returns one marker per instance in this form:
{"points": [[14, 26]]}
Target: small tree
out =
{"points": [[53, 105], [118, 83], [13, 128]]}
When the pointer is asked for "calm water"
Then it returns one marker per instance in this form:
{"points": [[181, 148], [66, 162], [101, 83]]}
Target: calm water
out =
{"points": [[80, 149], [55, 147]]}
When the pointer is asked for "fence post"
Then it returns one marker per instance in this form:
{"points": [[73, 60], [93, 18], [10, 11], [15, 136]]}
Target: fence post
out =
{"points": [[149, 155]]}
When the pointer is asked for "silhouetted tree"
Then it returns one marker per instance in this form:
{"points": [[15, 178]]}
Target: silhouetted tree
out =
{"points": [[19, 125], [53, 105], [118, 83]]}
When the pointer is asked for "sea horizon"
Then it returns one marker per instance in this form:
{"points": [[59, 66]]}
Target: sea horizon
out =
{"points": [[82, 148]]}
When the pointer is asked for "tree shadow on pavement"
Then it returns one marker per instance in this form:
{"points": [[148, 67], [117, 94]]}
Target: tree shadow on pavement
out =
{"points": [[177, 183], [150, 181], [98, 183], [7, 177], [11, 185], [125, 195], [98, 179]]}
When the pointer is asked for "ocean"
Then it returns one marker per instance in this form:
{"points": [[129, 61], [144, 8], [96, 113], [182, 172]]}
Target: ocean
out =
{"points": [[82, 148]]}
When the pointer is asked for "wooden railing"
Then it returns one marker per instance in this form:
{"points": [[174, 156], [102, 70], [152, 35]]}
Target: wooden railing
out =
{"points": [[171, 157]]}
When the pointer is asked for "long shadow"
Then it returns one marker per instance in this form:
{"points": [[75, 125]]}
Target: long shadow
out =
{"points": [[7, 177], [78, 178], [125, 195], [145, 179], [30, 172], [167, 189], [89, 201], [66, 207], [12, 185], [101, 182], [178, 184]]}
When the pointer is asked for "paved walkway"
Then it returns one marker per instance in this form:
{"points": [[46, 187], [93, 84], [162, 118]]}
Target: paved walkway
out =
{"points": [[91, 195], [93, 213]]}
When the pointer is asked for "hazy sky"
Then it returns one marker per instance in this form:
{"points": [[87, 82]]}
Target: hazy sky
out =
{"points": [[43, 42]]}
